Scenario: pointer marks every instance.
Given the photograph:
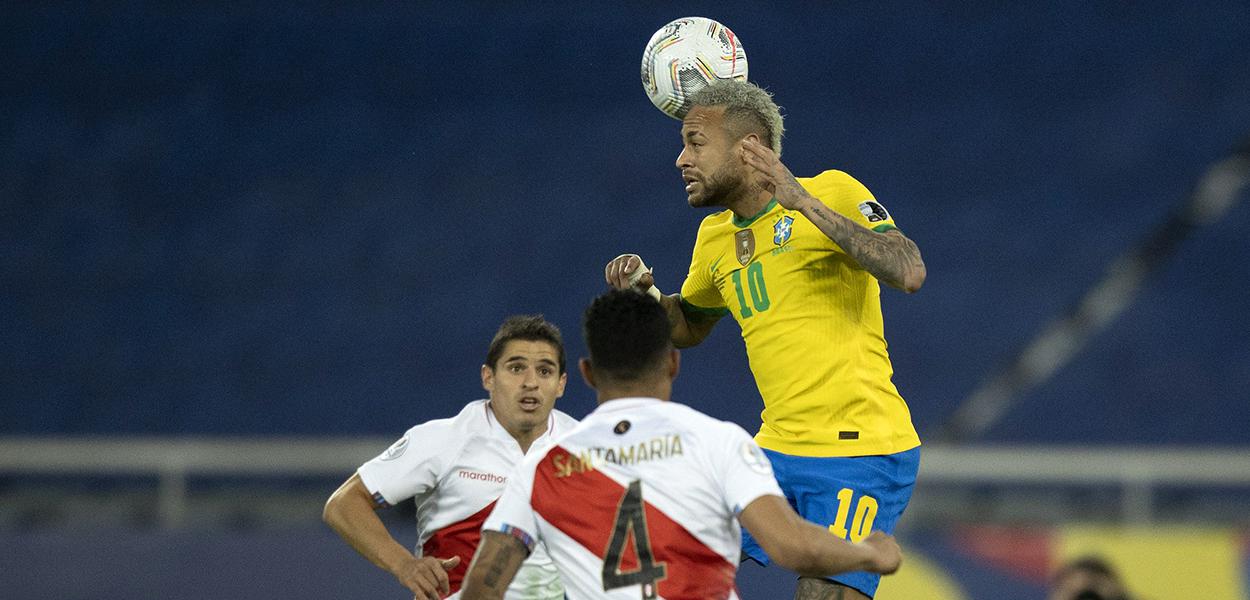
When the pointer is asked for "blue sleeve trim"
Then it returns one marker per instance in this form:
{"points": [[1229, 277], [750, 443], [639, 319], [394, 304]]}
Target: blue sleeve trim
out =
{"points": [[526, 539]]}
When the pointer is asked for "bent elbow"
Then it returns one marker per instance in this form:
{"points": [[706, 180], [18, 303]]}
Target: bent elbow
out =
{"points": [[332, 513], [914, 278], [327, 512], [683, 343]]}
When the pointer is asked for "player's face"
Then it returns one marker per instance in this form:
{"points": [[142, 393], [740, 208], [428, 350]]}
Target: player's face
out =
{"points": [[709, 162], [524, 384]]}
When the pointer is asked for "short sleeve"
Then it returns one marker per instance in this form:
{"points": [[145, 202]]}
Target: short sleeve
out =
{"points": [[513, 513], [742, 470], [850, 198], [698, 291], [411, 466]]}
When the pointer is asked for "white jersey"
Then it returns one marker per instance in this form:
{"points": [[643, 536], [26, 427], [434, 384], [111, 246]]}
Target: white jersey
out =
{"points": [[456, 469], [639, 501]]}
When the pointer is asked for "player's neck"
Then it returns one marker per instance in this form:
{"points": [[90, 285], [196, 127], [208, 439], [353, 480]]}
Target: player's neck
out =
{"points": [[750, 204], [660, 390], [525, 437]]}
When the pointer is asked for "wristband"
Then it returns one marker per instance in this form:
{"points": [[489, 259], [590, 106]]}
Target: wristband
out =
{"points": [[642, 269]]}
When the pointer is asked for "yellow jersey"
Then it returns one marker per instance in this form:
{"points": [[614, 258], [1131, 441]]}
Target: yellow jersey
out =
{"points": [[811, 320]]}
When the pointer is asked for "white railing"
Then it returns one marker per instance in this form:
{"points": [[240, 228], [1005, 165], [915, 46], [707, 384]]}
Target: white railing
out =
{"points": [[173, 460], [1137, 470]]}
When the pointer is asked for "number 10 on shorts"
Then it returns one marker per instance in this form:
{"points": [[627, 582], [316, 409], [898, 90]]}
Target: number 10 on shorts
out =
{"points": [[861, 525]]}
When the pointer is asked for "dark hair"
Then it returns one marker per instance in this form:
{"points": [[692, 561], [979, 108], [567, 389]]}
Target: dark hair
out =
{"points": [[1090, 564], [627, 334], [1093, 565], [532, 328]]}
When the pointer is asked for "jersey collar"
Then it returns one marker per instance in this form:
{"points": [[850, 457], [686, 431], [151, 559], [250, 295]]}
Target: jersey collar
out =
{"points": [[747, 222], [623, 404], [498, 430]]}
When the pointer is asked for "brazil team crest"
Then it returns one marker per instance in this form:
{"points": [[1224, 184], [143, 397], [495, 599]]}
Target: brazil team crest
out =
{"points": [[782, 229]]}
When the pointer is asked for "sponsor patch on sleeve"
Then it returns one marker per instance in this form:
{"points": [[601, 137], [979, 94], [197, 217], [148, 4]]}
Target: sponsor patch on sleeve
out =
{"points": [[873, 211]]}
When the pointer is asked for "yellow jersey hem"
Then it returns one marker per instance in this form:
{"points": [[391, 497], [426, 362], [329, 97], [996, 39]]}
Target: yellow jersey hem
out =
{"points": [[846, 448]]}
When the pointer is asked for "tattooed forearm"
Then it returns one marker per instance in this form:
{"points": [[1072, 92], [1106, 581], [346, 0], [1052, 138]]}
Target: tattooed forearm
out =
{"points": [[891, 257], [501, 565], [810, 588], [676, 316], [687, 328], [494, 570], [498, 559]]}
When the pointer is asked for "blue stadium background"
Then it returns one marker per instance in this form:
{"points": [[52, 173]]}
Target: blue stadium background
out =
{"points": [[309, 218]]}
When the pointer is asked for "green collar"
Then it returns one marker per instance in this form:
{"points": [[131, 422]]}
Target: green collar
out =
{"points": [[747, 222]]}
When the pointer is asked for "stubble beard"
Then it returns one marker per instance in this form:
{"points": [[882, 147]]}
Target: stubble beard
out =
{"points": [[722, 187]]}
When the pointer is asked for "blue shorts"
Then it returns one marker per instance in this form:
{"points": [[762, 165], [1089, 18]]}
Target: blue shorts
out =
{"points": [[851, 496]]}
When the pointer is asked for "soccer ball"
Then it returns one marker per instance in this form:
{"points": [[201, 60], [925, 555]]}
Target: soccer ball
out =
{"points": [[685, 56]]}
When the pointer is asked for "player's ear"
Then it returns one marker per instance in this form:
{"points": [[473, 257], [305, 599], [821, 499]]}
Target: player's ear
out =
{"points": [[752, 137], [564, 380], [588, 373], [488, 378], [674, 363], [741, 145]]}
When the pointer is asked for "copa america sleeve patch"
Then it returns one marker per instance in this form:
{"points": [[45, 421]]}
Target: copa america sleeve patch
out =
{"points": [[396, 450], [755, 459], [520, 535], [873, 212]]}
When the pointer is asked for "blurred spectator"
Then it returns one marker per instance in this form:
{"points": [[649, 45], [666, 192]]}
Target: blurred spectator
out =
{"points": [[1088, 578]]}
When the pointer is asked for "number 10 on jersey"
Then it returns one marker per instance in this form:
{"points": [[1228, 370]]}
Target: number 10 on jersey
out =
{"points": [[756, 288], [865, 514]]}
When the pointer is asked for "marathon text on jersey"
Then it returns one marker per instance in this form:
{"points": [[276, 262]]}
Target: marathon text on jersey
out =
{"points": [[480, 476]]}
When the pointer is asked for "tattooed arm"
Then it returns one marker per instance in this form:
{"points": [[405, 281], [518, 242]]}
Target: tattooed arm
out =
{"points": [[499, 557], [890, 257]]}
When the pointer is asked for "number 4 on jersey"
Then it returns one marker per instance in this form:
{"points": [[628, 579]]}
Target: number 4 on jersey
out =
{"points": [[631, 521]]}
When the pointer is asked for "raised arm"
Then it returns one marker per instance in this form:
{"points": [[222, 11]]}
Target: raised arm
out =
{"points": [[811, 550], [498, 558], [351, 512], [686, 328], [890, 256]]}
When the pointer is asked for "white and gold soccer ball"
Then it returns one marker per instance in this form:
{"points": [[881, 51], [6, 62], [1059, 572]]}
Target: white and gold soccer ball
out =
{"points": [[685, 56]]}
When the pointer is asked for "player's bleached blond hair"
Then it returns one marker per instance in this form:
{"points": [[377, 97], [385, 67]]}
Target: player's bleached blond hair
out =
{"points": [[748, 109]]}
